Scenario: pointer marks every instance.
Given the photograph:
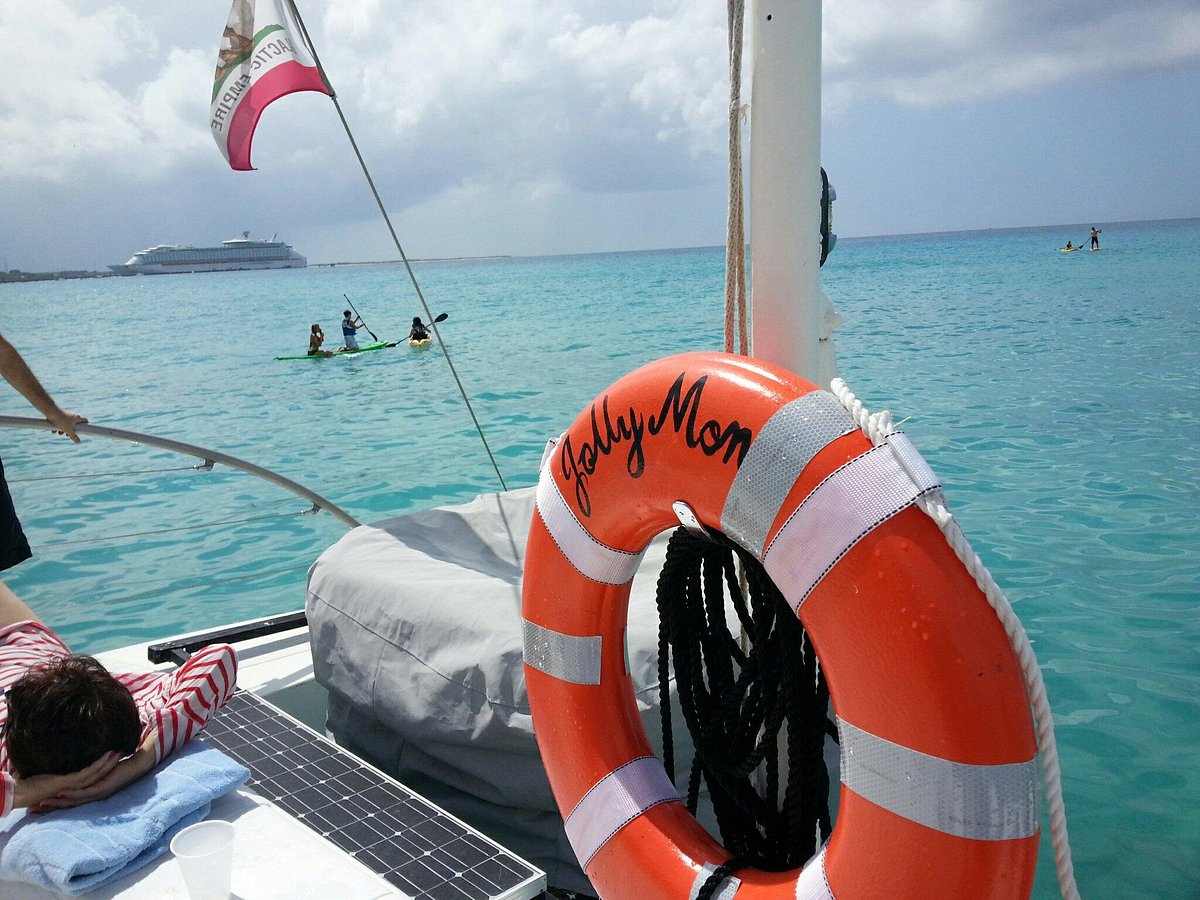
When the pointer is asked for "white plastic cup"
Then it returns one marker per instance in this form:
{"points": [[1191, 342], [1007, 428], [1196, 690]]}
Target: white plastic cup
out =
{"points": [[205, 854]]}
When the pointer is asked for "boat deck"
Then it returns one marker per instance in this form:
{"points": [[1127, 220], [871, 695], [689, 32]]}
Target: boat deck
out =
{"points": [[414, 845], [313, 820]]}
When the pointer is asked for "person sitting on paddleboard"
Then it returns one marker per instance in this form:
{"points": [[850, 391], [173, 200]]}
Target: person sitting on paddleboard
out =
{"points": [[350, 324], [1068, 247], [315, 340], [418, 332]]}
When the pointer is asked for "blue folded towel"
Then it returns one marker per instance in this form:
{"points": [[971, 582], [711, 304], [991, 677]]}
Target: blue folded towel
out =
{"points": [[80, 849]]}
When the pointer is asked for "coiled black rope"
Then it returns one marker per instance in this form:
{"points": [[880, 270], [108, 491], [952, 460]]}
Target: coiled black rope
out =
{"points": [[737, 702]]}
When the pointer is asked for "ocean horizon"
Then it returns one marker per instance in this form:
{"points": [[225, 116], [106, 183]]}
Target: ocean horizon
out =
{"points": [[1006, 229]]}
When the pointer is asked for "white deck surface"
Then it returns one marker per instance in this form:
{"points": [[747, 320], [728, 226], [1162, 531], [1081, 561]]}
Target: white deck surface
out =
{"points": [[275, 857]]}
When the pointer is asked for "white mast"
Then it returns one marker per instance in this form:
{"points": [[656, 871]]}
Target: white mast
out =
{"points": [[790, 314]]}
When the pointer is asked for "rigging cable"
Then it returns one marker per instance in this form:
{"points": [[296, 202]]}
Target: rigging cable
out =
{"points": [[204, 585], [395, 240], [735, 237], [199, 525], [81, 476]]}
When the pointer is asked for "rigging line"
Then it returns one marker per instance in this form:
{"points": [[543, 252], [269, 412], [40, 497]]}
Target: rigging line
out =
{"points": [[395, 240], [735, 236], [143, 595], [85, 475], [131, 534]]}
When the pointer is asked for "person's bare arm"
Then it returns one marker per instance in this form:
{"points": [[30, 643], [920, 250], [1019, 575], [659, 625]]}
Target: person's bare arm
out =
{"points": [[13, 609], [17, 373], [107, 776], [39, 791]]}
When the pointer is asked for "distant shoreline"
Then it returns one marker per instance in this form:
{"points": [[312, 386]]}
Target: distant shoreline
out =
{"points": [[16, 275], [397, 262]]}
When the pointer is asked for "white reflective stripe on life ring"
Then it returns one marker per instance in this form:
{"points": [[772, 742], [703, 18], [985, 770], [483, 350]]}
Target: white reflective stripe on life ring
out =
{"points": [[594, 560], [841, 510], [785, 444], [563, 656], [813, 883], [983, 803], [725, 892], [614, 801]]}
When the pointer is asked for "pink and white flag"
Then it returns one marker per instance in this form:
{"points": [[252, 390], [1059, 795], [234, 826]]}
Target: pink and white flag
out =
{"points": [[259, 62]]}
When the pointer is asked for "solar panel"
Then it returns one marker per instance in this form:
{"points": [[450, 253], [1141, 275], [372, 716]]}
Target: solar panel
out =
{"points": [[413, 844]]}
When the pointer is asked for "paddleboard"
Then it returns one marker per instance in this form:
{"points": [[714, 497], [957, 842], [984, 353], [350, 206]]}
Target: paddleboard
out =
{"points": [[362, 348], [1095, 249], [1067, 249]]}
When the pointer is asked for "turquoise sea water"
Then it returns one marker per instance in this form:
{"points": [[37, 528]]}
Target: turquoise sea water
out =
{"points": [[1055, 394]]}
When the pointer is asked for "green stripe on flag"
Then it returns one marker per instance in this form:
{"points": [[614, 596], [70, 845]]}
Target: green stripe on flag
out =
{"points": [[219, 84]]}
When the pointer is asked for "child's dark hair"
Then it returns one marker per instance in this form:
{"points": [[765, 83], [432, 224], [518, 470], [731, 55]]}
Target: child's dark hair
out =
{"points": [[64, 715]]}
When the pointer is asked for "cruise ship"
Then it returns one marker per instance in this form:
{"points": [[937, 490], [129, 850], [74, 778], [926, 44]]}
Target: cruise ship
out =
{"points": [[233, 254]]}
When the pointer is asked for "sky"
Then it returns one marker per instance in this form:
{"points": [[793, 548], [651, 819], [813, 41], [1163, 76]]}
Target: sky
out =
{"points": [[535, 127]]}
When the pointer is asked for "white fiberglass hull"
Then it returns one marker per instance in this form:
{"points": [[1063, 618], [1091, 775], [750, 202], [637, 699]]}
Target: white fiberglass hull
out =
{"points": [[175, 269]]}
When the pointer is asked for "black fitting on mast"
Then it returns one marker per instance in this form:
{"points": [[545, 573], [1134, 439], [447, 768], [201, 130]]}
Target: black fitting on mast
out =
{"points": [[828, 238]]}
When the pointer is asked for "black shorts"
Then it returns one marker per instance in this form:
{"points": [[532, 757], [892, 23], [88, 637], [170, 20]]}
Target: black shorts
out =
{"points": [[14, 548]]}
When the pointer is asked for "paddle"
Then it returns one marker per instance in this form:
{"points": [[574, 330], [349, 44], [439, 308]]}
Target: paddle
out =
{"points": [[373, 335], [442, 318]]}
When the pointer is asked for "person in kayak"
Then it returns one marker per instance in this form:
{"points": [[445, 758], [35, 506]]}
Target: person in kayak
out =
{"points": [[1068, 247], [418, 332], [350, 324], [315, 339]]}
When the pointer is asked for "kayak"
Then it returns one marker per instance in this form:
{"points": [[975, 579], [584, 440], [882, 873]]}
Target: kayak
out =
{"points": [[1067, 249], [424, 342], [362, 348]]}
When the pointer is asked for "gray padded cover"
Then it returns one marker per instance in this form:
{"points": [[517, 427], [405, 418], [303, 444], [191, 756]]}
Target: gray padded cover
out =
{"points": [[416, 633]]}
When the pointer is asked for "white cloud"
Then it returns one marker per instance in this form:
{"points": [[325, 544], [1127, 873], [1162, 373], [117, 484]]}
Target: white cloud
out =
{"points": [[928, 54], [671, 67], [168, 108], [56, 110], [66, 109], [515, 89], [536, 106]]}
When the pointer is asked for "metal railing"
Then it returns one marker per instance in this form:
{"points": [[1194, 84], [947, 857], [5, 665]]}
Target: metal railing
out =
{"points": [[179, 649], [209, 456]]}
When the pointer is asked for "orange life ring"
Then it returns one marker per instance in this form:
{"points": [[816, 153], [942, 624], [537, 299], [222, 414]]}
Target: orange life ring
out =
{"points": [[939, 775]]}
